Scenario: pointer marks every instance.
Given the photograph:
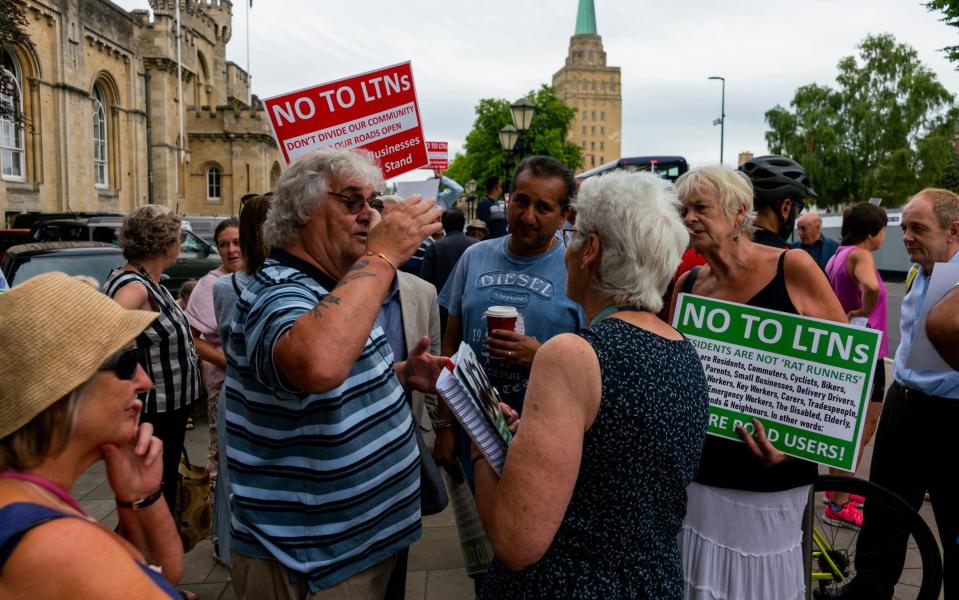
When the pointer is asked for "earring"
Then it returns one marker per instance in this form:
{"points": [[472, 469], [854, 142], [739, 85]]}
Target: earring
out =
{"points": [[736, 237]]}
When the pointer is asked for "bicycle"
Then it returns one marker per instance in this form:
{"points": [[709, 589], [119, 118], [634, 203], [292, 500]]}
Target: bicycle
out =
{"points": [[834, 547]]}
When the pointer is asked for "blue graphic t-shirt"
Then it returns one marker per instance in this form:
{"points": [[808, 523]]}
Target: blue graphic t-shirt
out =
{"points": [[488, 274]]}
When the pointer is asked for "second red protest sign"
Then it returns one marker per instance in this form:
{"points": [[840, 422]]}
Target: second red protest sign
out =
{"points": [[376, 111]]}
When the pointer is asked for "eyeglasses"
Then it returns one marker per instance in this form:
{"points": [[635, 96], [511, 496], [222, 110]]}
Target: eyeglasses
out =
{"points": [[355, 202], [569, 234], [123, 363]]}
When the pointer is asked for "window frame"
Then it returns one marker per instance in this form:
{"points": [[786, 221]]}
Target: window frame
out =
{"points": [[17, 151], [101, 142], [214, 182]]}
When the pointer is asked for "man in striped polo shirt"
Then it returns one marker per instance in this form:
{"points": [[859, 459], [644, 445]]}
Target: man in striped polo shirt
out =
{"points": [[323, 464]]}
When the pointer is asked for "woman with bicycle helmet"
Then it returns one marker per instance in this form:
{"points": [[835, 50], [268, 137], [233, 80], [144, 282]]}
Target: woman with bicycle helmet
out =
{"points": [[742, 533]]}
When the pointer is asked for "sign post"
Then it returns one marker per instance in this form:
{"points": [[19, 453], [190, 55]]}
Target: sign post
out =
{"points": [[376, 111], [806, 380], [438, 153]]}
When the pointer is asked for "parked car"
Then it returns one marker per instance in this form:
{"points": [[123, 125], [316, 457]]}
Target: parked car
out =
{"points": [[197, 257], [29, 219], [12, 237], [204, 225], [95, 259]]}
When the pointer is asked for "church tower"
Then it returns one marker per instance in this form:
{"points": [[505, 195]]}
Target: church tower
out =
{"points": [[587, 84]]}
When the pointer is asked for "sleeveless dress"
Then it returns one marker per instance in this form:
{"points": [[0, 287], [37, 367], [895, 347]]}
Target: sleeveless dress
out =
{"points": [[742, 535], [20, 517], [618, 536], [850, 296]]}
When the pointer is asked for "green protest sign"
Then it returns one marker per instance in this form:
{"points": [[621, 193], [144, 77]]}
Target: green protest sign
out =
{"points": [[806, 380]]}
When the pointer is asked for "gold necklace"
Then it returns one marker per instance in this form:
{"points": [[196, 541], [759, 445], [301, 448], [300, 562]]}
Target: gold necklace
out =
{"points": [[39, 490]]}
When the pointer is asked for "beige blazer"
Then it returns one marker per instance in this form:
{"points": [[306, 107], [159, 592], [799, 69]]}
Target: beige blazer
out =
{"points": [[421, 316]]}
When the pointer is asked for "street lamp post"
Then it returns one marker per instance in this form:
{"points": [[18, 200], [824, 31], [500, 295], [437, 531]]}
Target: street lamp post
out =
{"points": [[721, 121], [511, 137]]}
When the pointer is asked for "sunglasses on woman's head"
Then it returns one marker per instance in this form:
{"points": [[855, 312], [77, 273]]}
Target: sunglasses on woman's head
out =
{"points": [[123, 363]]}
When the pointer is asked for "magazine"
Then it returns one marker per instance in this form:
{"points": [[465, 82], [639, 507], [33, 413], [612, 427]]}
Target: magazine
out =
{"points": [[475, 402]]}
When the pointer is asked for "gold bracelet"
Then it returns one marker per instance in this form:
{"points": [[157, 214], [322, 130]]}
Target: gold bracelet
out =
{"points": [[383, 256]]}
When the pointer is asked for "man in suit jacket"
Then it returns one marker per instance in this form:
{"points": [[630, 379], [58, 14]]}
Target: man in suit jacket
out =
{"points": [[407, 314]]}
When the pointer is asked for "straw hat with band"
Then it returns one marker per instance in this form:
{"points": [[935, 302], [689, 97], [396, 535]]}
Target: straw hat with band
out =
{"points": [[55, 332]]}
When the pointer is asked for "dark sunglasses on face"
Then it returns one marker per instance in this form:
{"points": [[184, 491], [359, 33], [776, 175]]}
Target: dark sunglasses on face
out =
{"points": [[355, 202], [123, 363]]}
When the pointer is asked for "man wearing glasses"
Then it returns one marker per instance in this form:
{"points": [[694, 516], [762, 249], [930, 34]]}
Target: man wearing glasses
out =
{"points": [[323, 463], [524, 270]]}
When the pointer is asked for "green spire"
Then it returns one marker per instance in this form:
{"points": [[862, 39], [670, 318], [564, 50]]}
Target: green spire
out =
{"points": [[586, 17]]}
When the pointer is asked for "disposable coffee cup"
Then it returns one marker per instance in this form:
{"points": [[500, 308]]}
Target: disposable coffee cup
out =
{"points": [[501, 317]]}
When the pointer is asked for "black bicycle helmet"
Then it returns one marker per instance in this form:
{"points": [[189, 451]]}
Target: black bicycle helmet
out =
{"points": [[776, 177]]}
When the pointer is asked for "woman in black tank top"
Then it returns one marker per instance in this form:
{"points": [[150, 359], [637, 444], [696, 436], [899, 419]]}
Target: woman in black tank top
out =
{"points": [[737, 485]]}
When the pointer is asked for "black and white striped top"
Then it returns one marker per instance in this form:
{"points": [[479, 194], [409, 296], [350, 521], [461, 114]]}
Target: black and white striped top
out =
{"points": [[171, 360]]}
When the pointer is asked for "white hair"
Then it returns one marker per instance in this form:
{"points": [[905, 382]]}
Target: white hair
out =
{"points": [[304, 184], [636, 216], [733, 188]]}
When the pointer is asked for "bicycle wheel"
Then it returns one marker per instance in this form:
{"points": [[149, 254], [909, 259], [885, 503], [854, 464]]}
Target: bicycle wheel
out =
{"points": [[921, 577]]}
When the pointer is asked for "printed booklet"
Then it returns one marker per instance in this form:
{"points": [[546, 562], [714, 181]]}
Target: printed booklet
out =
{"points": [[475, 402]]}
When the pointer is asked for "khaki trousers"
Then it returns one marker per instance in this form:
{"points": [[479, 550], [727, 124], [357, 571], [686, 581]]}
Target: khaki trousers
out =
{"points": [[263, 579]]}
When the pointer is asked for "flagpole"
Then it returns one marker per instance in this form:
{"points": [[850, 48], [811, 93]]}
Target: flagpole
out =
{"points": [[179, 88]]}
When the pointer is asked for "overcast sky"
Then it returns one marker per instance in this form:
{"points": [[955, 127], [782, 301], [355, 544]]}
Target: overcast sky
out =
{"points": [[464, 50]]}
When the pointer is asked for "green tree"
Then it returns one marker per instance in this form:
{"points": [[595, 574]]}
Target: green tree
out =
{"points": [[950, 10], [885, 130], [484, 156], [12, 23]]}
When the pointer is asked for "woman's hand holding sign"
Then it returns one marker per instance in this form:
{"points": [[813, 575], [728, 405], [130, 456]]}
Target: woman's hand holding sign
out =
{"points": [[760, 445]]}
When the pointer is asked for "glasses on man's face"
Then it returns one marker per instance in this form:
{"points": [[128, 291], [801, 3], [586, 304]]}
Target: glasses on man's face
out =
{"points": [[123, 363], [355, 202], [569, 234]]}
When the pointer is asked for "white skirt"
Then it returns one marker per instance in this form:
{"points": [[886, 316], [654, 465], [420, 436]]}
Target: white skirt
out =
{"points": [[740, 545]]}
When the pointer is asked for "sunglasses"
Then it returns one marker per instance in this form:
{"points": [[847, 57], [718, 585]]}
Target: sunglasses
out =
{"points": [[124, 363], [355, 202]]}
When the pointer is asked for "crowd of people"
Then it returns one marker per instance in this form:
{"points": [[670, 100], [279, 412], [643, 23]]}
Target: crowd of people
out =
{"points": [[316, 352]]}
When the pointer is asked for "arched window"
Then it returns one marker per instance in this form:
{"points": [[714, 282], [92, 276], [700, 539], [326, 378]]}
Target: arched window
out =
{"points": [[11, 131], [100, 170], [213, 184]]}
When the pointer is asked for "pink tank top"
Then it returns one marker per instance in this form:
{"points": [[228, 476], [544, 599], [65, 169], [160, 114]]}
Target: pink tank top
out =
{"points": [[850, 296]]}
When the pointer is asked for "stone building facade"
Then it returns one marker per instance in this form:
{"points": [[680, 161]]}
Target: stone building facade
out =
{"points": [[587, 84], [98, 91]]}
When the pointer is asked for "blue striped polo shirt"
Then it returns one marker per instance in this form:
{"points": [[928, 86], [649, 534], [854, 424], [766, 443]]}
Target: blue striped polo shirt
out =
{"points": [[326, 484]]}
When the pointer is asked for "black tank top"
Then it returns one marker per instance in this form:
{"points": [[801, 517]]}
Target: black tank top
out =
{"points": [[729, 464]]}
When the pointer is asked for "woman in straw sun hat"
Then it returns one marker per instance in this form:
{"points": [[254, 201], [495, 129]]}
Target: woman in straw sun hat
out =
{"points": [[69, 380]]}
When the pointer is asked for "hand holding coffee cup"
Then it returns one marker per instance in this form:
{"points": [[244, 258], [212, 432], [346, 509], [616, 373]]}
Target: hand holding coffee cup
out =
{"points": [[503, 343]]}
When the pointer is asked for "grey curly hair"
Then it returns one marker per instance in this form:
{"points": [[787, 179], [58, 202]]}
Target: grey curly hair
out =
{"points": [[304, 185], [148, 231]]}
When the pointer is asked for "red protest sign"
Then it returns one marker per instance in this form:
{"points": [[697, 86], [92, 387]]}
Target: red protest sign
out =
{"points": [[376, 111], [438, 154]]}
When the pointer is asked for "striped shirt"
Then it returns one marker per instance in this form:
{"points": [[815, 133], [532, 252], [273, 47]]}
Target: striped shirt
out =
{"points": [[167, 346], [326, 484]]}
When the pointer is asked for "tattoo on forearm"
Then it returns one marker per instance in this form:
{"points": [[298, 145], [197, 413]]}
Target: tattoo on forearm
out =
{"points": [[355, 272], [317, 311]]}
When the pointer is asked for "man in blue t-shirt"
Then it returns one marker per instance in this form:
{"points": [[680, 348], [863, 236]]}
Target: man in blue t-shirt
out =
{"points": [[525, 270]]}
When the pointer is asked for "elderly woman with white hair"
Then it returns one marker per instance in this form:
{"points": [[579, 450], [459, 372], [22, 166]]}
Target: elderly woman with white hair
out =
{"points": [[593, 491], [742, 533]]}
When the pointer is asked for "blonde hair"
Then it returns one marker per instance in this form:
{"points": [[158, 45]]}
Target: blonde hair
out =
{"points": [[44, 436], [733, 188]]}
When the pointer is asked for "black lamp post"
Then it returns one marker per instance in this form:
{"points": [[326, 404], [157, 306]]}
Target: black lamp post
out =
{"points": [[511, 137], [721, 121]]}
